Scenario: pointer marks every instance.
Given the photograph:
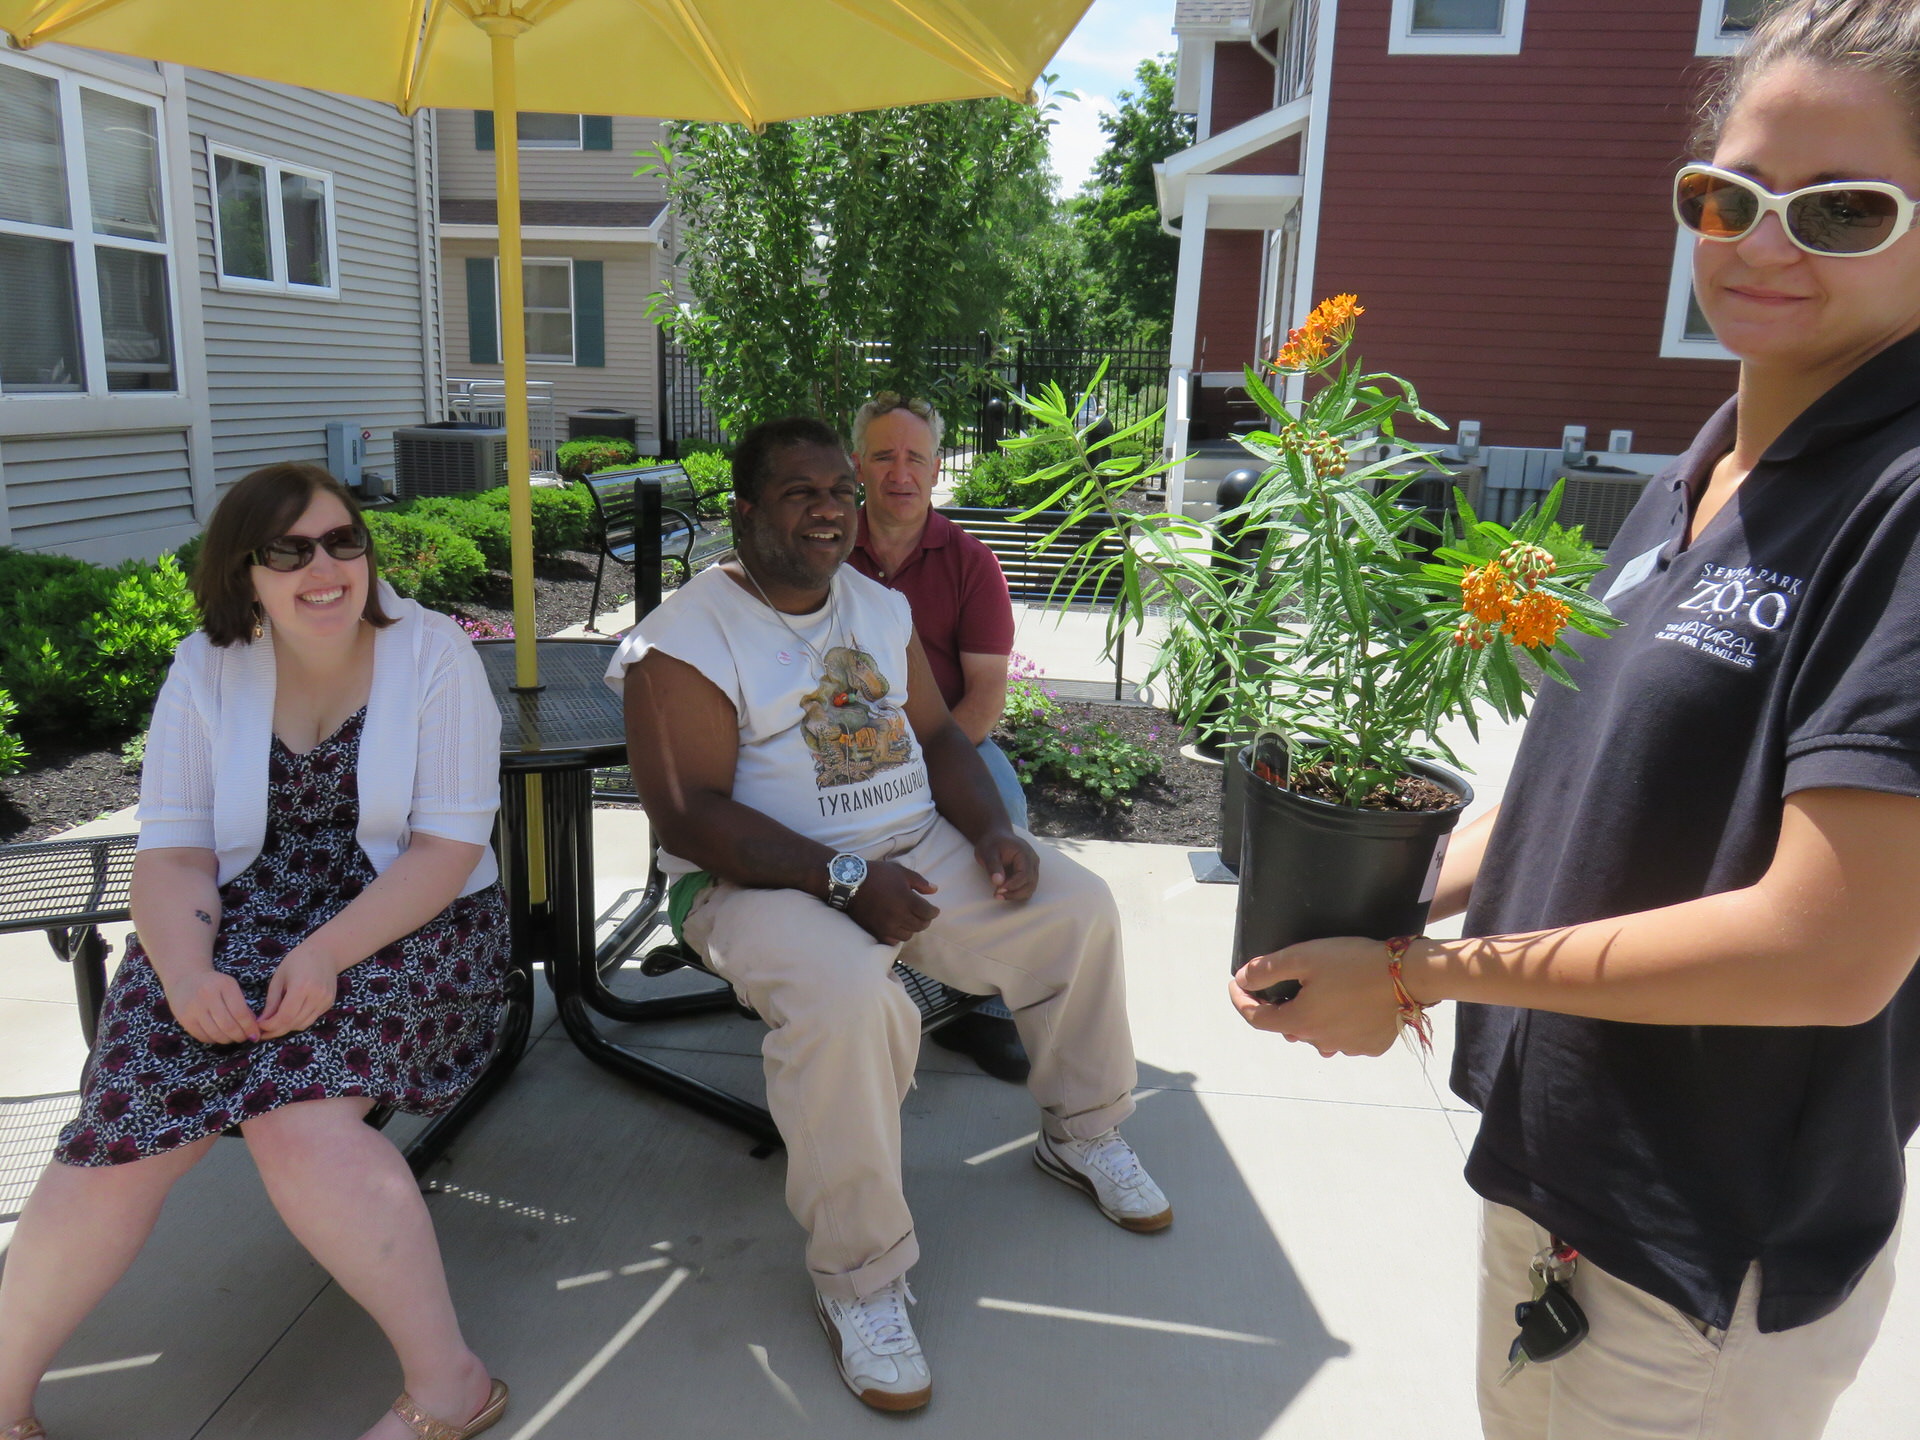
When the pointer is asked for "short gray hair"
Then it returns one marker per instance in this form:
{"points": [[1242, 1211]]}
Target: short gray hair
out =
{"points": [[885, 403]]}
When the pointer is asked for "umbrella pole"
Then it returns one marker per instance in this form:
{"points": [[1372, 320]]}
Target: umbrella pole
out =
{"points": [[503, 31]]}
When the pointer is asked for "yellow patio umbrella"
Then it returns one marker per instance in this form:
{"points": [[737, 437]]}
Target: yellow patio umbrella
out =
{"points": [[749, 61]]}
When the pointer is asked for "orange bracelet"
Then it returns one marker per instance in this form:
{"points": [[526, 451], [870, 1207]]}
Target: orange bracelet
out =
{"points": [[1413, 1015]]}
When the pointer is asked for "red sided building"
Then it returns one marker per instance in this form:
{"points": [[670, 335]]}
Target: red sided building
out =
{"points": [[1490, 177]]}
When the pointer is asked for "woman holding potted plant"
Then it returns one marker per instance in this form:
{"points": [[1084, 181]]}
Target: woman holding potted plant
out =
{"points": [[1692, 1020]]}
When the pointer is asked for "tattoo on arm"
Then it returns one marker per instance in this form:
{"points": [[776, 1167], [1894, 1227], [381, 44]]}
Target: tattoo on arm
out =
{"points": [[203, 917]]}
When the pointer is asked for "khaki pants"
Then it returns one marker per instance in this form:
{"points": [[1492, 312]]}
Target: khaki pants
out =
{"points": [[844, 1034], [1648, 1372]]}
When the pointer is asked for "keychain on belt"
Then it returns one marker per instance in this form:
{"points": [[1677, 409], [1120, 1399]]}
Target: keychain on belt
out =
{"points": [[1552, 1323]]}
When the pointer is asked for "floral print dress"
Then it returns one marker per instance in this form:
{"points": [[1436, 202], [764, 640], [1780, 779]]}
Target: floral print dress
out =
{"points": [[411, 1026]]}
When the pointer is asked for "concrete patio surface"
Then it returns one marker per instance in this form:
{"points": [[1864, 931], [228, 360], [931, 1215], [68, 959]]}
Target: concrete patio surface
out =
{"points": [[631, 1270]]}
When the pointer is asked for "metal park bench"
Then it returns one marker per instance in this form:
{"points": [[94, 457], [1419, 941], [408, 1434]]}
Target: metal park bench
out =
{"points": [[939, 1005], [1041, 571], [657, 502], [69, 888]]}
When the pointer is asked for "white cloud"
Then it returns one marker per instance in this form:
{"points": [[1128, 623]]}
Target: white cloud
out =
{"points": [[1096, 63]]}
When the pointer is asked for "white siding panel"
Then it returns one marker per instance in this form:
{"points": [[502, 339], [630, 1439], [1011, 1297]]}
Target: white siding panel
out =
{"points": [[466, 173], [103, 497], [628, 381], [279, 366]]}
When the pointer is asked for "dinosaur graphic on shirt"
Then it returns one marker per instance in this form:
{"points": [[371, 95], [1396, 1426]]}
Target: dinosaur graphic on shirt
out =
{"points": [[852, 731]]}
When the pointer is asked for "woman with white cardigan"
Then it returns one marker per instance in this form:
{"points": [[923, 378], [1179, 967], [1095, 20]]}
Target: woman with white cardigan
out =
{"points": [[319, 930]]}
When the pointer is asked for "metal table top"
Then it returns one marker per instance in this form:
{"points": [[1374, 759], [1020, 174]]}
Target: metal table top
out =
{"points": [[572, 722]]}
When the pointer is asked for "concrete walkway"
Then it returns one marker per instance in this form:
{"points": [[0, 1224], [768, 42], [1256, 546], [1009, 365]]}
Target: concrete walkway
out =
{"points": [[631, 1269]]}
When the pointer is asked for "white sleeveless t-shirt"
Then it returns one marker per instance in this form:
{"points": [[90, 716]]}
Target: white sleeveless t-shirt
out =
{"points": [[825, 747]]}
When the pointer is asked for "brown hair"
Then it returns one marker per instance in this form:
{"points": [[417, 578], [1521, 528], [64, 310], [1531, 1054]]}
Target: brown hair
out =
{"points": [[257, 509], [1878, 37]]}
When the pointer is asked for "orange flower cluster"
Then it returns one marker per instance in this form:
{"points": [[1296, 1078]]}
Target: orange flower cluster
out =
{"points": [[1500, 595], [1329, 324]]}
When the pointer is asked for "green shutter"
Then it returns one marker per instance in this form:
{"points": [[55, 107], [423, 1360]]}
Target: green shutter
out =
{"points": [[483, 129], [596, 132], [589, 313], [483, 324]]}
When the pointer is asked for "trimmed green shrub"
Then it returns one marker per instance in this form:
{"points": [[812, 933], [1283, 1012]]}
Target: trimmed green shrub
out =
{"points": [[562, 519], [83, 649], [188, 552], [711, 472], [429, 561], [148, 614], [13, 750], [485, 525], [589, 453]]}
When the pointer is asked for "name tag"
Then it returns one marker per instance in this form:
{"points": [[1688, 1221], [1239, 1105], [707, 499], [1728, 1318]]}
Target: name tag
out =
{"points": [[1635, 572]]}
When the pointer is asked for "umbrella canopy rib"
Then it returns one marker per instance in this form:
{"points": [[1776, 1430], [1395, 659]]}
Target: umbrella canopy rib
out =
{"points": [[935, 43], [54, 16], [695, 40]]}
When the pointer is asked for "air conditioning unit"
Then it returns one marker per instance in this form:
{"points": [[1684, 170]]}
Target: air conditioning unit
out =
{"points": [[448, 457], [1598, 499]]}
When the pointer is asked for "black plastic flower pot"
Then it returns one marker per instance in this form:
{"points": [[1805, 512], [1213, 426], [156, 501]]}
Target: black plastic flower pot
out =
{"points": [[1310, 869], [1233, 811]]}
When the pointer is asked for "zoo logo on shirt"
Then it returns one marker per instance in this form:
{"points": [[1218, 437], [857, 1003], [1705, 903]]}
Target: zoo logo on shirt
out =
{"points": [[1732, 609]]}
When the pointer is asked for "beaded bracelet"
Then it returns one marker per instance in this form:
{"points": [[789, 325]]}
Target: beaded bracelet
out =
{"points": [[1413, 1015]]}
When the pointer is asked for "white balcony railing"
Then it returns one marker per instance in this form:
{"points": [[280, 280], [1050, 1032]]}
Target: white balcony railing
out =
{"points": [[1294, 77]]}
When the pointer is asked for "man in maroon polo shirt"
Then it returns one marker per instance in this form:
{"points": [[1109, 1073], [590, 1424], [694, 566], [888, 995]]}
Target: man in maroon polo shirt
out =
{"points": [[964, 618]]}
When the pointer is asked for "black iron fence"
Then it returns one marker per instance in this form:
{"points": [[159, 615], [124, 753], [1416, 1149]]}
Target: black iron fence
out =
{"points": [[973, 380]]}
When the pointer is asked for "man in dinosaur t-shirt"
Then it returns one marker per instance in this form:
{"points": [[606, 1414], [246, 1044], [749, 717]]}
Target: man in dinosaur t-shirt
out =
{"points": [[809, 785]]}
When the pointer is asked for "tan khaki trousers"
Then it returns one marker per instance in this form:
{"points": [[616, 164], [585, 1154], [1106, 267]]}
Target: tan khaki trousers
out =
{"points": [[844, 1034], [1648, 1372]]}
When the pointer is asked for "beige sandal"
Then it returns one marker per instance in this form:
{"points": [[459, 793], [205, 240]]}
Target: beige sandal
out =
{"points": [[28, 1429], [422, 1424]]}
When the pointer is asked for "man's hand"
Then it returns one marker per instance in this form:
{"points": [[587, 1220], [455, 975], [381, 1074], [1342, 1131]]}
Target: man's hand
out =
{"points": [[1346, 1004], [211, 1007], [888, 905], [1012, 867], [303, 989]]}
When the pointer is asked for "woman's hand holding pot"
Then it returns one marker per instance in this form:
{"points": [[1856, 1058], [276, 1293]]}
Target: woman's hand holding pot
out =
{"points": [[1346, 1004]]}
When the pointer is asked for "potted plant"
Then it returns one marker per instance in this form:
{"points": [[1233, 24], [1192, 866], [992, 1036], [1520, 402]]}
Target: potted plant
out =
{"points": [[1343, 628]]}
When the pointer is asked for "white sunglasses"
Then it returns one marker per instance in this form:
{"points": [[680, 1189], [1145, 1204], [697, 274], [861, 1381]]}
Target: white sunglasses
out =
{"points": [[1845, 218]]}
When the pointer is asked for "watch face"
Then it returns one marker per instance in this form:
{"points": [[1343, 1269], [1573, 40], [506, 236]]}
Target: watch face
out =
{"points": [[847, 869]]}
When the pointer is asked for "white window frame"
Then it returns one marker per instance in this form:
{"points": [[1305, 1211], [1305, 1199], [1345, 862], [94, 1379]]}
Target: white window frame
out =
{"points": [[1402, 41], [276, 225], [579, 135], [573, 309], [1713, 15], [1674, 342], [86, 243]]}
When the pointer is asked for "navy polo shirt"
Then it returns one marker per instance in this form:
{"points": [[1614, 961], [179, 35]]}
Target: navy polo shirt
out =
{"points": [[1779, 652]]}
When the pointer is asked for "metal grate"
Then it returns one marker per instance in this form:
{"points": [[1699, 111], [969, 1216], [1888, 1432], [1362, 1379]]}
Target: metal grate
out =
{"points": [[29, 1126], [57, 883]]}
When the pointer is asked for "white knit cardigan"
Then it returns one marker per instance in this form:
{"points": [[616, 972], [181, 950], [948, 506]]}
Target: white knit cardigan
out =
{"points": [[429, 751]]}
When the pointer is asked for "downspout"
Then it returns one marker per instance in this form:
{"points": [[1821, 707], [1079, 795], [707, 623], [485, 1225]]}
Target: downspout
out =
{"points": [[1313, 166]]}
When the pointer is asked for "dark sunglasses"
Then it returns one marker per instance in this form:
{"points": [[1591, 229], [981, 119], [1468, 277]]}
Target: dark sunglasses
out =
{"points": [[1847, 218], [295, 552]]}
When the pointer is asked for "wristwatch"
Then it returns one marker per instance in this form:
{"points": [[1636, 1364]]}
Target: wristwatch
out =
{"points": [[845, 874]]}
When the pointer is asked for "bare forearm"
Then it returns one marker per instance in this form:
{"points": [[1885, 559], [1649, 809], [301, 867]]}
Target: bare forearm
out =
{"points": [[175, 900], [744, 845], [423, 881], [1462, 866], [977, 714], [1739, 958], [963, 791]]}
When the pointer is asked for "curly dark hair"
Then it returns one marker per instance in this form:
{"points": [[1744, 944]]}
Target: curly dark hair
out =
{"points": [[753, 456]]}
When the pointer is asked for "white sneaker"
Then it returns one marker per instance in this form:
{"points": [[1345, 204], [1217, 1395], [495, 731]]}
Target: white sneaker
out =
{"points": [[874, 1345], [1108, 1170]]}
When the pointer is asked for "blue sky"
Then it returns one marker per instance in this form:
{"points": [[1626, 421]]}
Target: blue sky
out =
{"points": [[1097, 62]]}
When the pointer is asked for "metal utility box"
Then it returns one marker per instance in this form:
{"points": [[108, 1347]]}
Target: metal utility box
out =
{"points": [[602, 420], [347, 450], [448, 457]]}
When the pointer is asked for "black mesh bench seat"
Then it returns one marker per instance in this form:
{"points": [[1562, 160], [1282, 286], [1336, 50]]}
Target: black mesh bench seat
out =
{"points": [[685, 542], [69, 888]]}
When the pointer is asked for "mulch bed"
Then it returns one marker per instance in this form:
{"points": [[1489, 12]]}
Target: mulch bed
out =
{"points": [[63, 786], [1179, 806]]}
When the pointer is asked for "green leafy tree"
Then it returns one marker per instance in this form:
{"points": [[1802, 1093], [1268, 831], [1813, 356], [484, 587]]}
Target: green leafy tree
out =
{"points": [[823, 255], [1117, 215]]}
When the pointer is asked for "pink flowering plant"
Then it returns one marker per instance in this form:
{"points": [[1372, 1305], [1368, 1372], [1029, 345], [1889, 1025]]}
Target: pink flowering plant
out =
{"points": [[1087, 755]]}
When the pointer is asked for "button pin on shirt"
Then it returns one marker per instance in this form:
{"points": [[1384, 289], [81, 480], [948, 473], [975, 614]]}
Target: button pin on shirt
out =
{"points": [[785, 657]]}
